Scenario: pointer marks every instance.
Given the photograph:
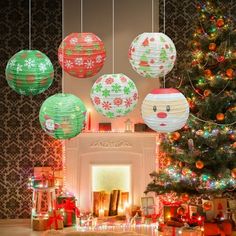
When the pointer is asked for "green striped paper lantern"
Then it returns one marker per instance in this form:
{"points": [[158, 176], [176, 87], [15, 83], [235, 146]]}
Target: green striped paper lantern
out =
{"points": [[29, 72], [62, 116]]}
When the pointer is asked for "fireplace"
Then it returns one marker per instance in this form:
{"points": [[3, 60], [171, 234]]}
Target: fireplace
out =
{"points": [[90, 158]]}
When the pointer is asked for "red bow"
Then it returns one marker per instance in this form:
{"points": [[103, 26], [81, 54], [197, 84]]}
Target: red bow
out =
{"points": [[69, 206], [54, 218]]}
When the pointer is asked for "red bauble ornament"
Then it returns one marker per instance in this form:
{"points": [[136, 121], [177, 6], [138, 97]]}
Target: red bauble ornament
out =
{"points": [[175, 136], [234, 145], [82, 55], [229, 72], [220, 116], [167, 161], [207, 206], [206, 92], [199, 164], [208, 72], [185, 197], [220, 58], [220, 22], [233, 172], [212, 46]]}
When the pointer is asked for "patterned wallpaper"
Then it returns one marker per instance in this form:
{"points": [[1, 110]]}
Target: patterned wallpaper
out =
{"points": [[22, 142]]}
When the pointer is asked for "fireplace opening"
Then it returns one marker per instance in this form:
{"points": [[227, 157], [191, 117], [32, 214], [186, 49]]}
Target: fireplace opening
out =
{"points": [[111, 189]]}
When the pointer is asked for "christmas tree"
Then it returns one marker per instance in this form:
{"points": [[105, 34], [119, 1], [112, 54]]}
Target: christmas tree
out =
{"points": [[201, 157]]}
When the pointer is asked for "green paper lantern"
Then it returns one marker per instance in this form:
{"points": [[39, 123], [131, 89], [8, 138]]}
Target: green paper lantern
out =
{"points": [[114, 95], [62, 116], [29, 72]]}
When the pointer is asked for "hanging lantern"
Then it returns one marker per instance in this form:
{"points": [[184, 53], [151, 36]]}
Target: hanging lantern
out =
{"points": [[152, 55], [165, 110], [62, 116], [114, 95], [82, 55], [29, 72]]}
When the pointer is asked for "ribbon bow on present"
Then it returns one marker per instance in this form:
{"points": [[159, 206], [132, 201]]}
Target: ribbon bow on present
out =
{"points": [[69, 207], [54, 218]]}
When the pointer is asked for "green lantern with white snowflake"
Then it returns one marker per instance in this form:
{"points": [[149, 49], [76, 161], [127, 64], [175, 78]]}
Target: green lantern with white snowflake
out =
{"points": [[29, 72], [62, 116], [114, 95], [152, 55]]}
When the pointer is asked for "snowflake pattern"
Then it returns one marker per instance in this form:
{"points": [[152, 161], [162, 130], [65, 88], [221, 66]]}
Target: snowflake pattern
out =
{"points": [[60, 57], [89, 64], [19, 68], [106, 105], [42, 67], [112, 97], [12, 62], [118, 101], [79, 61], [128, 102], [97, 100], [73, 41], [29, 63], [68, 64], [99, 59], [88, 39]]}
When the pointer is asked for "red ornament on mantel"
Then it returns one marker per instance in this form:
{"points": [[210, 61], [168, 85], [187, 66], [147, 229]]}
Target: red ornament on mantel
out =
{"points": [[82, 55]]}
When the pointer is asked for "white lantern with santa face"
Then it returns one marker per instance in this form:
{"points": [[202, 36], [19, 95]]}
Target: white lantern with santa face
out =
{"points": [[165, 110]]}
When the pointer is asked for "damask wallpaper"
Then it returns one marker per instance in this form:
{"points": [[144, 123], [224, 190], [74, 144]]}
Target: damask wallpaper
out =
{"points": [[23, 144]]}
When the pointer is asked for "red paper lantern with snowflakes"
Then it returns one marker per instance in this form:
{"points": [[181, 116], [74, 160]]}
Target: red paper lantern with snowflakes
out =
{"points": [[82, 55], [152, 55], [114, 95], [165, 110]]}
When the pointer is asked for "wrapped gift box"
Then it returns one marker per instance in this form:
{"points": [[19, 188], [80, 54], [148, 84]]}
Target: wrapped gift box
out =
{"points": [[171, 231], [55, 220], [70, 211], [148, 206], [42, 181], [39, 223], [43, 171], [192, 231]]}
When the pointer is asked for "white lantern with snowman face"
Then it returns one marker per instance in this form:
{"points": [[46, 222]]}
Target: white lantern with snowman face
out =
{"points": [[165, 110]]}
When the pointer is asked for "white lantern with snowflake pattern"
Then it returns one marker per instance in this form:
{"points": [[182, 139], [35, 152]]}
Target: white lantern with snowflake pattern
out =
{"points": [[114, 95], [152, 55]]}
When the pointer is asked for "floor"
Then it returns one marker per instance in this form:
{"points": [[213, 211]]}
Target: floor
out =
{"points": [[21, 227]]}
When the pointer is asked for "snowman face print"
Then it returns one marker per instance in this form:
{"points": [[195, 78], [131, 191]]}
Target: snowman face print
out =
{"points": [[165, 114]]}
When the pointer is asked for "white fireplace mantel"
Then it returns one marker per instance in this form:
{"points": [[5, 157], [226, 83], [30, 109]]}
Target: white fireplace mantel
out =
{"points": [[135, 149]]}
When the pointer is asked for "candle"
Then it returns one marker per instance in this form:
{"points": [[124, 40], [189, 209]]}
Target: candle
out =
{"points": [[101, 213]]}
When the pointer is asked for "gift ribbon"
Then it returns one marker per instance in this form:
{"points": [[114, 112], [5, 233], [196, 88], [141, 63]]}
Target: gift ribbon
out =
{"points": [[165, 203], [69, 206], [54, 218]]}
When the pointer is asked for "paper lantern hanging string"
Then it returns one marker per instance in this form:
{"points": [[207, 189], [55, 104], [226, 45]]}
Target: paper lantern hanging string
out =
{"points": [[113, 36], [164, 31], [30, 15]]}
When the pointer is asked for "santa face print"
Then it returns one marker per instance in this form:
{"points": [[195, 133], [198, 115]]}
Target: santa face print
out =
{"points": [[165, 112], [49, 124]]}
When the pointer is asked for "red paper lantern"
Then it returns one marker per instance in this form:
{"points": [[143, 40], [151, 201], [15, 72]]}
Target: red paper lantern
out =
{"points": [[82, 55]]}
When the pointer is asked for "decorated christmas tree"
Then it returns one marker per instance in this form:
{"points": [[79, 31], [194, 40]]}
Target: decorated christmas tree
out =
{"points": [[201, 158]]}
